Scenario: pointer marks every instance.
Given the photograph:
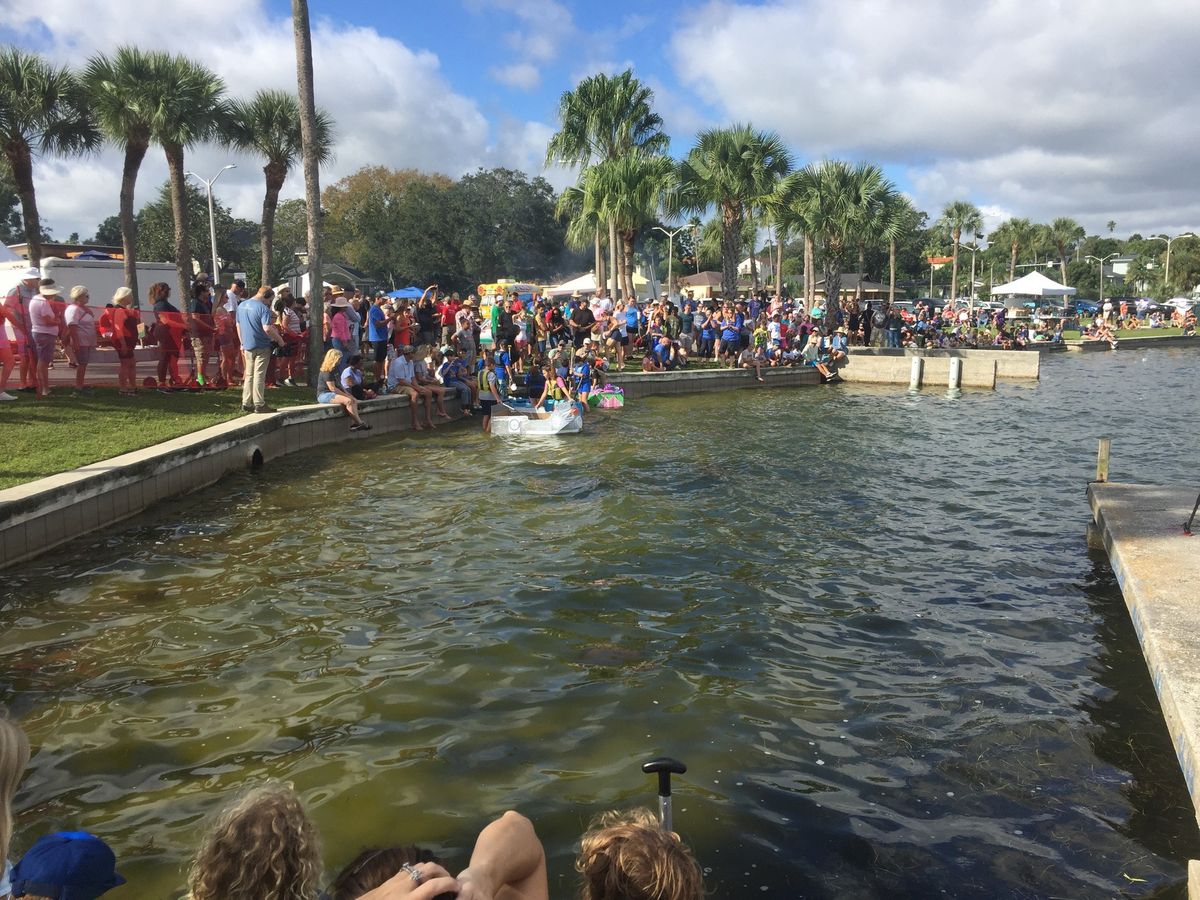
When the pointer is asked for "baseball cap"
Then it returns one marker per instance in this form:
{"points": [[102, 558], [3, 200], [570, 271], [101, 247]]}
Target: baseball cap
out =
{"points": [[68, 865]]}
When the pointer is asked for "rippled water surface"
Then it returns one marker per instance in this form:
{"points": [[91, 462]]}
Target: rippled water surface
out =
{"points": [[867, 620]]}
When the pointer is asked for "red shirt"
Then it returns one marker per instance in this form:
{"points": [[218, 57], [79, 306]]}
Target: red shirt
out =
{"points": [[448, 309]]}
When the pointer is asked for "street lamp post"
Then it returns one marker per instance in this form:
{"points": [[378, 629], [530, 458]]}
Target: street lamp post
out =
{"points": [[1169, 241], [212, 219], [1102, 261], [974, 249], [671, 251]]}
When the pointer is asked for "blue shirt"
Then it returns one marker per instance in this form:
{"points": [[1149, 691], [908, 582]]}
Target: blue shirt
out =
{"points": [[253, 317], [631, 318], [376, 324]]}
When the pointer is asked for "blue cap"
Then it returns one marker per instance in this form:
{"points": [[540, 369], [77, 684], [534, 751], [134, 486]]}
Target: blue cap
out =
{"points": [[69, 865]]}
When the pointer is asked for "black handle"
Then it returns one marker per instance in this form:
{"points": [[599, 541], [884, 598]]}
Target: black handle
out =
{"points": [[665, 767]]}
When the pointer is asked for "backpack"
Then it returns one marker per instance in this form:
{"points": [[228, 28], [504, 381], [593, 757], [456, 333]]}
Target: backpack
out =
{"points": [[877, 320]]}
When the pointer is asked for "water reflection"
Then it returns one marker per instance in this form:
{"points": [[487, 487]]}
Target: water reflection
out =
{"points": [[867, 620]]}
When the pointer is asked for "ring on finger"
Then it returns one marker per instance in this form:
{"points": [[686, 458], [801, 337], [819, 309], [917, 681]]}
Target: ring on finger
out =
{"points": [[413, 872]]}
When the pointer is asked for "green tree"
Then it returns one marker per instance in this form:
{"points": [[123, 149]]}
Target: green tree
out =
{"points": [[837, 201], [43, 110], [291, 235], [604, 118], [629, 192], [108, 233], [959, 216], [507, 226], [269, 126], [191, 110], [126, 91], [732, 169], [1065, 234], [157, 234], [1014, 234]]}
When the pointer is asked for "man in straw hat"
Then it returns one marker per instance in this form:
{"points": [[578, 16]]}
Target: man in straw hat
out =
{"points": [[43, 327]]}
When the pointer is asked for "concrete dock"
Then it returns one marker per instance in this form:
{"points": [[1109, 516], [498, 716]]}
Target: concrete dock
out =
{"points": [[1158, 569]]}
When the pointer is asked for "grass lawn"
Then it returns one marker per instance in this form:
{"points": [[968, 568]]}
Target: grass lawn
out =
{"points": [[65, 432]]}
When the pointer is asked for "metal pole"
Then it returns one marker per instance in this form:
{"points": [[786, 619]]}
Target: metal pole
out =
{"points": [[670, 261], [212, 235]]}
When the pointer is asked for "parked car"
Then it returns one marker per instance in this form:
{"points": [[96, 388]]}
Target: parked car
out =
{"points": [[1081, 306]]}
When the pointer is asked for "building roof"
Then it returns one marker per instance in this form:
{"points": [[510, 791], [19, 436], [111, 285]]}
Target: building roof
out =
{"points": [[850, 283], [702, 279]]}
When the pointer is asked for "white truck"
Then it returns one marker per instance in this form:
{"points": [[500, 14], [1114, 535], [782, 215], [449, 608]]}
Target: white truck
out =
{"points": [[101, 277]]}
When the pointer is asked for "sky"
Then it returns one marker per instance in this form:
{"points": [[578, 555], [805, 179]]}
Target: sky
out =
{"points": [[1035, 108]]}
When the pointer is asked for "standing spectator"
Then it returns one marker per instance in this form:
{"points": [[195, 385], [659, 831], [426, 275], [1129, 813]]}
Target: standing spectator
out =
{"points": [[201, 327], [16, 303], [7, 319], [236, 294], [257, 334], [447, 310], [125, 340], [292, 330], [427, 318], [354, 317], [43, 325], [583, 321], [168, 332], [377, 334], [339, 328], [81, 333]]}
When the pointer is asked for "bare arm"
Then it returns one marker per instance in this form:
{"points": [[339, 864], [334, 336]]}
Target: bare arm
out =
{"points": [[508, 863]]}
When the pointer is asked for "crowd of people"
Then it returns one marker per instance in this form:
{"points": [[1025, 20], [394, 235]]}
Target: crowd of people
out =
{"points": [[438, 343], [265, 846]]}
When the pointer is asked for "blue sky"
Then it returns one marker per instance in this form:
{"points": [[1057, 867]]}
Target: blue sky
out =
{"points": [[1037, 108]]}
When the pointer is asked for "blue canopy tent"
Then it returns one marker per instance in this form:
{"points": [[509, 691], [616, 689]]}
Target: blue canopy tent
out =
{"points": [[92, 254], [408, 293]]}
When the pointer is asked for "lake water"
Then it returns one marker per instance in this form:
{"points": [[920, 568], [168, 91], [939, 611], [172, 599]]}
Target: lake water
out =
{"points": [[867, 620]]}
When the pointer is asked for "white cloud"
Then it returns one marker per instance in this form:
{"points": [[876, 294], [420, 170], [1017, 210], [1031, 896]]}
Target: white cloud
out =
{"points": [[525, 76], [1044, 108], [391, 104]]}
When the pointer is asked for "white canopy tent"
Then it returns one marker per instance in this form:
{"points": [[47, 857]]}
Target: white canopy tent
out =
{"points": [[1035, 284], [7, 255], [584, 284]]}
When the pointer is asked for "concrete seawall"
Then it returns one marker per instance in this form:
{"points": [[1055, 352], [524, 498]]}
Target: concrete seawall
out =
{"points": [[1133, 343], [46, 513], [868, 368], [1158, 569], [1009, 363], [653, 384]]}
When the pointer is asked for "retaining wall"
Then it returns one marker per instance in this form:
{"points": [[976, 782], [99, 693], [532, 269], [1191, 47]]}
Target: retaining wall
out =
{"points": [[896, 368], [46, 513], [653, 384], [1009, 363], [1131, 343]]}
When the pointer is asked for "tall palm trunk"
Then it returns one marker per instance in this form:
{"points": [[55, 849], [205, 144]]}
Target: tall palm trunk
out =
{"points": [[1062, 261], [892, 270], [731, 244], [612, 259], [135, 152], [598, 271], [312, 184], [810, 272], [862, 268], [753, 262], [833, 284], [627, 262], [275, 177], [20, 161], [955, 235], [1012, 263], [183, 253], [780, 235]]}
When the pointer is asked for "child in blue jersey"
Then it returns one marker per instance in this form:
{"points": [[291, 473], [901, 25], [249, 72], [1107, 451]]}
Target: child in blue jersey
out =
{"points": [[583, 375]]}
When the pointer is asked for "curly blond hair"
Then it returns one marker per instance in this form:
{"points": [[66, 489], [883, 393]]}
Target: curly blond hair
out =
{"points": [[263, 847], [627, 856], [14, 757]]}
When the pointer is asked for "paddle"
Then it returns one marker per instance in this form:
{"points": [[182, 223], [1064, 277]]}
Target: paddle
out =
{"points": [[664, 767]]}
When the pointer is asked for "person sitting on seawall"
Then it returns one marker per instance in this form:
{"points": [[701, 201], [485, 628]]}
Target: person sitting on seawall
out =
{"points": [[749, 358], [263, 846], [427, 384], [329, 390], [14, 757], [508, 862], [68, 865], [812, 355], [352, 380], [401, 379], [628, 856]]}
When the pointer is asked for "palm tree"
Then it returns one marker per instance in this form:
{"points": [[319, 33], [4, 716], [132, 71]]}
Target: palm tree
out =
{"points": [[269, 125], [837, 200], [899, 217], [191, 110], [1017, 233], [125, 93], [312, 183], [604, 118], [583, 223], [957, 217], [732, 168], [1112, 225], [1065, 233], [43, 109]]}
